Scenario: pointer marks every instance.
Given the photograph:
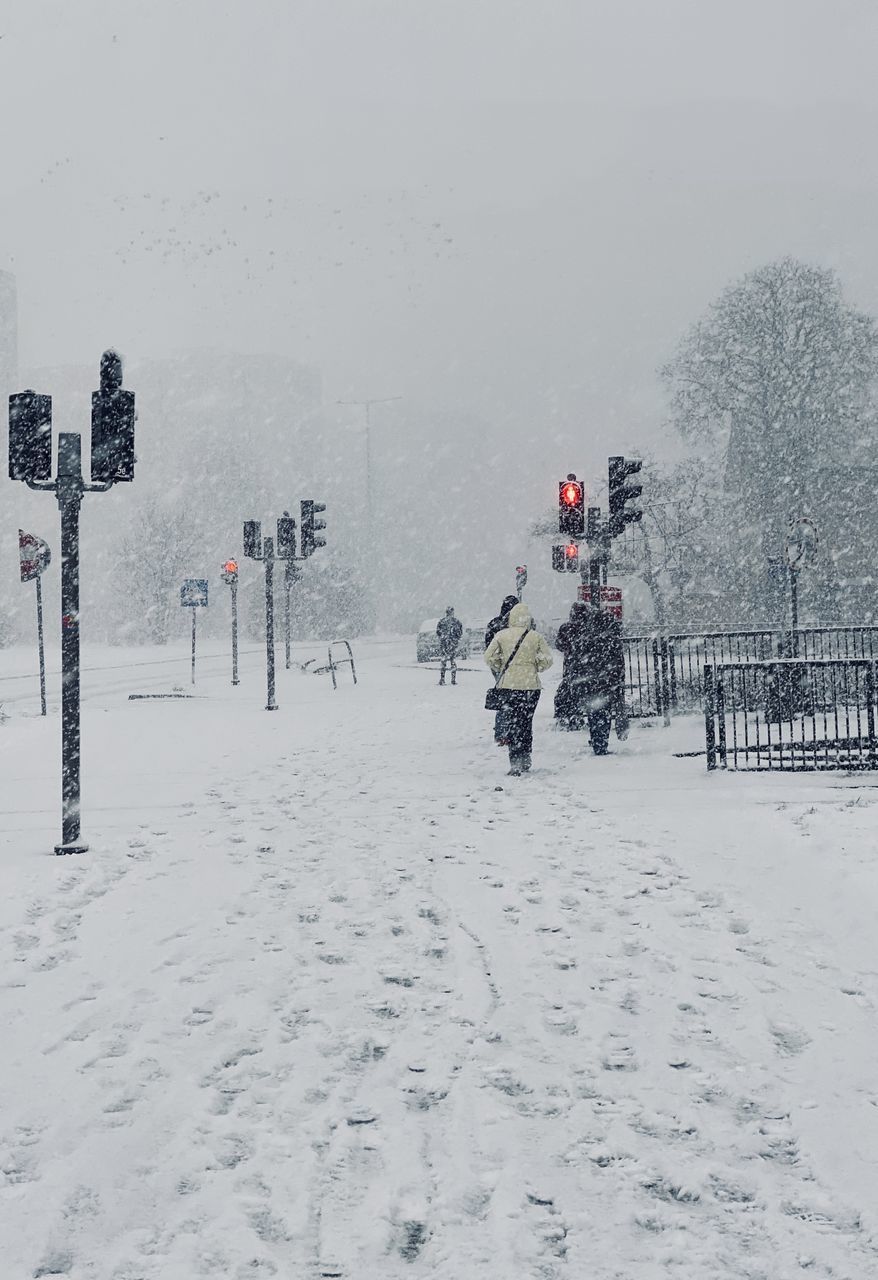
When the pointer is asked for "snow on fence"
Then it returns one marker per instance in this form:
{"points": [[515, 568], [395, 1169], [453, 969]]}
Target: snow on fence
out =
{"points": [[791, 714]]}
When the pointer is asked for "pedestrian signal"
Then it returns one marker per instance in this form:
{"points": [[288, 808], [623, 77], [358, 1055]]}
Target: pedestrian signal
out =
{"points": [[571, 507]]}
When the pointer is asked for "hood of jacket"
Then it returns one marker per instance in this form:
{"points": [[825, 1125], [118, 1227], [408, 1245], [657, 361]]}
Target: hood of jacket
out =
{"points": [[520, 616]]}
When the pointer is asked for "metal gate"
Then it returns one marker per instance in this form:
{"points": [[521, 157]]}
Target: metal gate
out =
{"points": [[791, 714]]}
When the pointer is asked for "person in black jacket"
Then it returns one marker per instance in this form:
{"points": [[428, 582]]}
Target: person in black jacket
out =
{"points": [[499, 624], [593, 682], [449, 630], [502, 619]]}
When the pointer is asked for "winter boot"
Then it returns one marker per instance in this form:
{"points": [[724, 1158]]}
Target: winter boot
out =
{"points": [[525, 764], [515, 767]]}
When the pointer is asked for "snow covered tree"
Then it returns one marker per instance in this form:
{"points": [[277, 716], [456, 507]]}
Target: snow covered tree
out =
{"points": [[778, 372], [774, 385]]}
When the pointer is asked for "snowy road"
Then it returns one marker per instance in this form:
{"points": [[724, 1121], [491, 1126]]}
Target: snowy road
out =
{"points": [[332, 996]]}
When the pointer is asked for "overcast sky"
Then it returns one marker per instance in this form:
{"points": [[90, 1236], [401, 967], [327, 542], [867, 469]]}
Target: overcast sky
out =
{"points": [[514, 206]]}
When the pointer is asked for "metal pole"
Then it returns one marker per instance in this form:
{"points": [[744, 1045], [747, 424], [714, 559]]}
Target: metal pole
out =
{"points": [[69, 489], [235, 633], [794, 612], [193, 644], [268, 557], [594, 573], [40, 644], [288, 582]]}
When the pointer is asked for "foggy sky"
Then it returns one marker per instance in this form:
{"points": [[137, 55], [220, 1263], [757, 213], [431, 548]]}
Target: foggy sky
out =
{"points": [[514, 208]]}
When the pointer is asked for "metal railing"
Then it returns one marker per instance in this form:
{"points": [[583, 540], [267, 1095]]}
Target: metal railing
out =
{"points": [[690, 653], [791, 714], [647, 686]]}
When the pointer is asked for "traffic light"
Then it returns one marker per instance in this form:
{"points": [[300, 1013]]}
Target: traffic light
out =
{"points": [[30, 436], [621, 494], [230, 572], [565, 559], [310, 526], [112, 424], [571, 507], [253, 539], [286, 537]]}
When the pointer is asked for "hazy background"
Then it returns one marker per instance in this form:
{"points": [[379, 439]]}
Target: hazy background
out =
{"points": [[504, 212]]}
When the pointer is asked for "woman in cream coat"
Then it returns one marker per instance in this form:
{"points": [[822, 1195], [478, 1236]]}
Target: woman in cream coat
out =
{"points": [[520, 682]]}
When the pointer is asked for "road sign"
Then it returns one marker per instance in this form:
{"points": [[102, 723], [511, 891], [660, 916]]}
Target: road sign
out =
{"points": [[193, 593], [34, 555], [611, 599], [802, 541]]}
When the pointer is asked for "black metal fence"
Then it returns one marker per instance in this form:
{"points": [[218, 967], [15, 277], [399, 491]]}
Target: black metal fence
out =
{"points": [[791, 714], [647, 686]]}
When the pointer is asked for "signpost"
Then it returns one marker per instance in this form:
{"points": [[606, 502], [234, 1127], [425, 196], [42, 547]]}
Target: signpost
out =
{"points": [[35, 557], [193, 595], [610, 599], [230, 577]]}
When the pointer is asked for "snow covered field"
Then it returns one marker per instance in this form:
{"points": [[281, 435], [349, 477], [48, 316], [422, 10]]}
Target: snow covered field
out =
{"points": [[331, 996]]}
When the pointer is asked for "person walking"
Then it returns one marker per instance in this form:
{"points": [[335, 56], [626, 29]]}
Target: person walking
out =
{"points": [[449, 630], [495, 625], [593, 684], [517, 655], [502, 619]]}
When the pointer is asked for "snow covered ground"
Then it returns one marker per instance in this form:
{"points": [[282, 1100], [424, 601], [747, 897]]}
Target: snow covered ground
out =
{"points": [[331, 996]]}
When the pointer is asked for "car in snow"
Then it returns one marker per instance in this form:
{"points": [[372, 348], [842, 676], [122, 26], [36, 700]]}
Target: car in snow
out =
{"points": [[472, 641]]}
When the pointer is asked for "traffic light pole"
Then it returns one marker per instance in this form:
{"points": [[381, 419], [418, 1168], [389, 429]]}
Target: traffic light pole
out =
{"points": [[69, 488], [112, 460], [234, 588], [288, 584], [40, 645], [194, 611], [268, 558]]}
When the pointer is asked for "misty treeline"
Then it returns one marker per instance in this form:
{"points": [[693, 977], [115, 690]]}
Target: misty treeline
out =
{"points": [[225, 438], [773, 392], [772, 395]]}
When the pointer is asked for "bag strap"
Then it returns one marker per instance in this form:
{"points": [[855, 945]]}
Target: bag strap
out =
{"points": [[508, 661]]}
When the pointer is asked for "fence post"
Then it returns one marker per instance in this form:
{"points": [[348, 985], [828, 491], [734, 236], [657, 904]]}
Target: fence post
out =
{"points": [[672, 671], [721, 721], [656, 676], [870, 711], [709, 712], [666, 692]]}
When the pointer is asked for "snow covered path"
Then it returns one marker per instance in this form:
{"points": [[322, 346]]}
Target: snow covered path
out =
{"points": [[332, 996]]}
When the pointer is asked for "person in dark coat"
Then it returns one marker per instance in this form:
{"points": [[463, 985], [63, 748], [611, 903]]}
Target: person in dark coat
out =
{"points": [[502, 619], [449, 630], [593, 684], [499, 624]]}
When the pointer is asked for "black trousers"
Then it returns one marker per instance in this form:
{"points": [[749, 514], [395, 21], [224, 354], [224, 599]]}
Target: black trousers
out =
{"points": [[517, 719]]}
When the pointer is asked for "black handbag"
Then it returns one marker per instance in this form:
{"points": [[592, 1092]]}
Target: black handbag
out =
{"points": [[494, 698]]}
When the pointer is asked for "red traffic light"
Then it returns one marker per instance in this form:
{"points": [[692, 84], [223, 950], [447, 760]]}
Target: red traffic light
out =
{"points": [[230, 566], [571, 550], [571, 493]]}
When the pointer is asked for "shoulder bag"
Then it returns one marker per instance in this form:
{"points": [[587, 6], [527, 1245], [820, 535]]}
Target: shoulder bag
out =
{"points": [[494, 700]]}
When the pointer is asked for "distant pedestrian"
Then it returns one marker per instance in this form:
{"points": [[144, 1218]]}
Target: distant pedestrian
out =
{"points": [[449, 630], [592, 687], [517, 655]]}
